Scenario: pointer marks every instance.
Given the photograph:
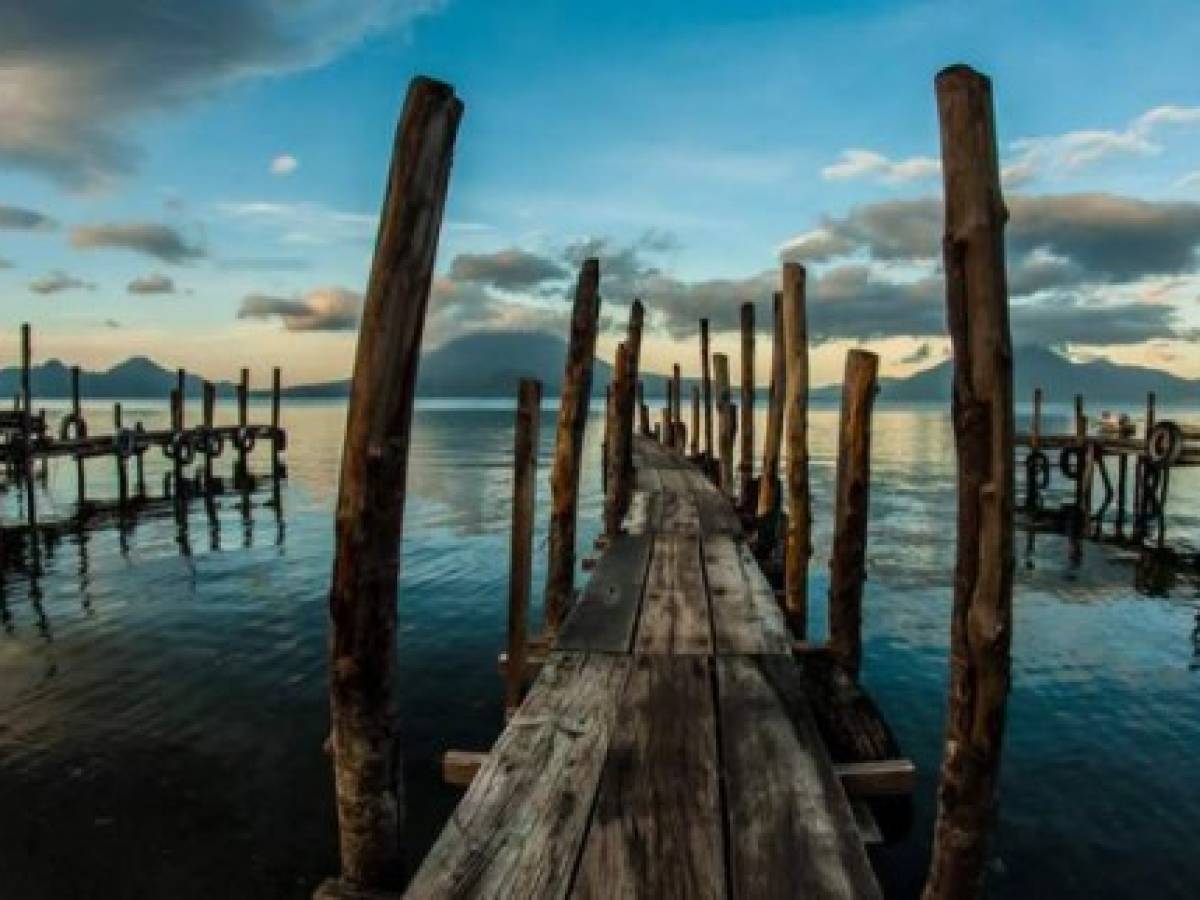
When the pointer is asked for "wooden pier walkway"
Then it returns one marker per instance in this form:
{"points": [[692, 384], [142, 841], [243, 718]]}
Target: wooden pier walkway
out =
{"points": [[667, 747]]}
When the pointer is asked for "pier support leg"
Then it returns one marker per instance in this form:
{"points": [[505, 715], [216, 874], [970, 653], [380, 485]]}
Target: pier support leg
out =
{"points": [[799, 540], [370, 508], [520, 580], [620, 448], [982, 409], [568, 444], [768, 484], [746, 461], [706, 380], [725, 428]]}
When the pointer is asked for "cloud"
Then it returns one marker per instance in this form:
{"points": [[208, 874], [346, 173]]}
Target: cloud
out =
{"points": [[155, 283], [263, 264], [283, 165], [323, 309], [856, 163], [160, 241], [919, 355], [509, 270], [19, 219], [1190, 180], [303, 223], [76, 72], [58, 281]]}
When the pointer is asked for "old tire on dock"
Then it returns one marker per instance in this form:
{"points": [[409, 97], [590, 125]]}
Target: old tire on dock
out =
{"points": [[1164, 444]]}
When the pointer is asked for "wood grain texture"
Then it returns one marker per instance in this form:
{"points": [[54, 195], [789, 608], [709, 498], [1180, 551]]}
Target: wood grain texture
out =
{"points": [[798, 549], [656, 830], [792, 832], [746, 617], [746, 428], [706, 381], [605, 615], [680, 514], [520, 572], [518, 829], [768, 483], [675, 616]]}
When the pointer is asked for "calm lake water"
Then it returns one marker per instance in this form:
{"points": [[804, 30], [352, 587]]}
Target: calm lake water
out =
{"points": [[162, 696]]}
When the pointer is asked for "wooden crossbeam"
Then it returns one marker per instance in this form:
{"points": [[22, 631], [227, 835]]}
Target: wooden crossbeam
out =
{"points": [[877, 778]]}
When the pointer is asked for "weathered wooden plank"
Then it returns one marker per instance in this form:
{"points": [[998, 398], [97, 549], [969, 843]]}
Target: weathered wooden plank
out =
{"points": [[604, 616], [791, 830], [675, 615], [878, 778], [520, 826], [746, 618], [680, 513], [656, 830]]}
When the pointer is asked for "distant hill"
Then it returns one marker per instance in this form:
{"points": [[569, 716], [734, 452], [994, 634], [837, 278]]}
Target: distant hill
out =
{"points": [[1058, 377], [489, 364]]}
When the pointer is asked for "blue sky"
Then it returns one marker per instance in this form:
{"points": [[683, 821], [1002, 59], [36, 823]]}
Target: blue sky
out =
{"points": [[688, 144]]}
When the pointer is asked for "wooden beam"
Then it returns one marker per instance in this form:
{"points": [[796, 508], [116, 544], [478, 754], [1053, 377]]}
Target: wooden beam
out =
{"points": [[799, 541], [848, 564], [370, 509], [982, 410], [877, 778], [520, 578], [568, 444], [459, 767]]}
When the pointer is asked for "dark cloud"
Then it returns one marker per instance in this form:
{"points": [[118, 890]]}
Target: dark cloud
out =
{"points": [[17, 218], [77, 70], [160, 241], [324, 309], [58, 281], [508, 270], [154, 283]]}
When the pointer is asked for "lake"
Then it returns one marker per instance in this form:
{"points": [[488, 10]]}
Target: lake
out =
{"points": [[163, 706]]}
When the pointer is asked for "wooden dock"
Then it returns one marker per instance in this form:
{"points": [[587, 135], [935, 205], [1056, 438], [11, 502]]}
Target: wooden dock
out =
{"points": [[667, 747]]}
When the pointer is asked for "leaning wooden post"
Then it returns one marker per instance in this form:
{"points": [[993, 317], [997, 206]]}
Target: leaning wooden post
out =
{"points": [[568, 446], [982, 408], [724, 400], [706, 380], [695, 436], [768, 481], [798, 549], [620, 446], [370, 510], [27, 445], [746, 463], [520, 579], [78, 430], [848, 564]]}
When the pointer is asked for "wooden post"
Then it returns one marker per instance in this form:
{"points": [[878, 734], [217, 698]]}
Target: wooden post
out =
{"points": [[208, 411], [633, 343], [848, 565], [604, 439], [1035, 432], [177, 489], [643, 409], [1081, 498], [676, 403], [243, 419], [768, 482], [181, 387], [275, 434], [798, 550], [568, 447], [746, 464], [520, 580], [707, 384], [695, 448], [77, 415], [620, 448], [721, 371], [122, 471], [27, 446], [977, 305], [370, 510]]}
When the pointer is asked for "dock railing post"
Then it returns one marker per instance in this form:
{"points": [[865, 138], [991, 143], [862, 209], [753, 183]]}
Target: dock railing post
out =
{"points": [[724, 428], [847, 567], [798, 549], [520, 581], [768, 484], [568, 445], [746, 462], [371, 494], [706, 381], [982, 410], [616, 496]]}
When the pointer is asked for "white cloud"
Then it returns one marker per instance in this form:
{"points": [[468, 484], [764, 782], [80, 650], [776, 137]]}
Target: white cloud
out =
{"points": [[304, 223], [283, 165], [857, 163], [1191, 180]]}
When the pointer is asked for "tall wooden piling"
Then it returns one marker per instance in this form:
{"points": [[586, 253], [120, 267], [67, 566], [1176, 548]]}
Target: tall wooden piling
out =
{"points": [[77, 417], [798, 550], [695, 436], [847, 566], [643, 409], [706, 381], [633, 344], [620, 448], [676, 402], [370, 510], [208, 413], [276, 391], [725, 453], [31, 518], [243, 419], [768, 483], [982, 409], [181, 389], [746, 462], [520, 580], [568, 447], [122, 470]]}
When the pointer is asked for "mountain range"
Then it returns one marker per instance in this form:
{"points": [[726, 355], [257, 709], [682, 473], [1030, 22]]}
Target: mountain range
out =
{"points": [[489, 364]]}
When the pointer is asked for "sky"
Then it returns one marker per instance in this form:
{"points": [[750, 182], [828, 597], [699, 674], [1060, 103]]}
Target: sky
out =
{"points": [[200, 182]]}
